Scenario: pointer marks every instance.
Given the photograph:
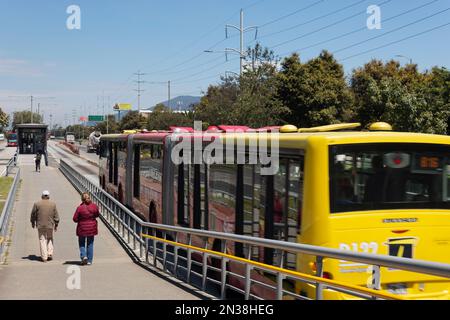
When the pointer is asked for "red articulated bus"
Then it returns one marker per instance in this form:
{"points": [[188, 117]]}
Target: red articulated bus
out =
{"points": [[138, 171]]}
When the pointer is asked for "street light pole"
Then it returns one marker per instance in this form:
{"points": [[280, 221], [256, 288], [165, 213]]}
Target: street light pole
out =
{"points": [[405, 57]]}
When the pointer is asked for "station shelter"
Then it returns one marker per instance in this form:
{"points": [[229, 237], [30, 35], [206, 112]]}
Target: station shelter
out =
{"points": [[32, 138]]}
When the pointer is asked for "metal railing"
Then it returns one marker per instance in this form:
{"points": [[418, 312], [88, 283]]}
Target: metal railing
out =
{"points": [[10, 164], [175, 250], [6, 213]]}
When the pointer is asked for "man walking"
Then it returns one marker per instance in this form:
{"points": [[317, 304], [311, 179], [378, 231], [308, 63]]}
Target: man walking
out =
{"points": [[37, 160], [45, 217]]}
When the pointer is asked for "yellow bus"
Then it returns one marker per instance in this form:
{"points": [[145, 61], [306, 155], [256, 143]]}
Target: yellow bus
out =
{"points": [[374, 191]]}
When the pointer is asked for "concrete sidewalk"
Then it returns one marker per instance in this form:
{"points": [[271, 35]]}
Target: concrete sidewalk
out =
{"points": [[112, 276]]}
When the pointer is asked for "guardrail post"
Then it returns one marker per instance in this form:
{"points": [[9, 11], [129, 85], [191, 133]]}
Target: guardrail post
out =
{"points": [[175, 262], [154, 248], [248, 274], [376, 278], [319, 286], [141, 244], [189, 260], [134, 234], [164, 251], [146, 250], [223, 276], [280, 279], [205, 267]]}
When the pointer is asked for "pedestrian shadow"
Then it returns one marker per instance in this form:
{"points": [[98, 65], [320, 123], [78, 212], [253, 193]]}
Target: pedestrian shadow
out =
{"points": [[32, 257], [72, 263]]}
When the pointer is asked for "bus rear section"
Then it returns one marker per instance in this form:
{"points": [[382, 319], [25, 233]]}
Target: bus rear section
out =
{"points": [[390, 199], [12, 139]]}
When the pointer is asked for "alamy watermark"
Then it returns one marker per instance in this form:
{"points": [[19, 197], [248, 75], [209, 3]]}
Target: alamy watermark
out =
{"points": [[374, 20], [73, 22], [261, 147], [73, 282]]}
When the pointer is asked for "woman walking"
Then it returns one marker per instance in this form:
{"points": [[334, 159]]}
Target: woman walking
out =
{"points": [[86, 217]]}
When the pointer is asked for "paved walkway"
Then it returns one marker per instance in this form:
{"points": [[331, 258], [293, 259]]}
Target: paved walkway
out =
{"points": [[112, 276]]}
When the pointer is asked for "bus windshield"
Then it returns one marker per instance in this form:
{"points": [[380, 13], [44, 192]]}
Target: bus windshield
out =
{"points": [[12, 136], [389, 176]]}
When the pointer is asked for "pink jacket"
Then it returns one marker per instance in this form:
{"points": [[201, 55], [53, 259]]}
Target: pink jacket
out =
{"points": [[86, 217]]}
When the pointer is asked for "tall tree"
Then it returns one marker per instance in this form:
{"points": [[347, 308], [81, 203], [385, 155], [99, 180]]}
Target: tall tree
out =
{"points": [[163, 118], [216, 105], [257, 105], [316, 92], [4, 119], [20, 117], [112, 126], [406, 98], [132, 120]]}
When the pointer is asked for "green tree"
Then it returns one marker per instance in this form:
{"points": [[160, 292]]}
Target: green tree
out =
{"points": [[132, 120], [402, 96], [163, 118], [316, 92], [4, 119], [20, 117], [257, 104], [112, 126], [216, 105]]}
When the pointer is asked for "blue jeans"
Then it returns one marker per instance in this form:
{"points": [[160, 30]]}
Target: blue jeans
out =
{"points": [[90, 248]]}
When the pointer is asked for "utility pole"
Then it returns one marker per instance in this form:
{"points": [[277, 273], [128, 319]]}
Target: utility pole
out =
{"points": [[242, 30], [169, 94], [139, 90], [38, 112], [107, 120], [31, 109]]}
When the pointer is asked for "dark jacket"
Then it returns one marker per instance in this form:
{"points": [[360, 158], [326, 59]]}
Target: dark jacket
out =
{"points": [[86, 217], [44, 215]]}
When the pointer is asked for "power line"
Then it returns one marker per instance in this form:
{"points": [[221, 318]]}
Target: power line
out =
{"points": [[202, 71], [397, 41], [326, 27], [312, 20], [392, 31], [202, 37], [291, 14], [361, 29]]}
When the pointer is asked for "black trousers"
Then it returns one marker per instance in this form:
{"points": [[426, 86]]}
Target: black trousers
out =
{"points": [[38, 165]]}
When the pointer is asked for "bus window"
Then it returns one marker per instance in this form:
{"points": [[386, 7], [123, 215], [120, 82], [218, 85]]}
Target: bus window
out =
{"points": [[115, 163], [388, 176], [203, 197], [188, 177], [151, 162], [294, 205], [136, 173], [110, 161], [122, 155], [287, 199], [104, 150], [252, 187], [222, 197]]}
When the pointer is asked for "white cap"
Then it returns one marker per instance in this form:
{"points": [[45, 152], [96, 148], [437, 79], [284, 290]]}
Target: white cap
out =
{"points": [[46, 193]]}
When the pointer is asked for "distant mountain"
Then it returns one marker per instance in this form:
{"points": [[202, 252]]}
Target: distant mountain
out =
{"points": [[181, 103]]}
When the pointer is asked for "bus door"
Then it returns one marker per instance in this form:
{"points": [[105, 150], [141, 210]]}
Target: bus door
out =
{"points": [[192, 195], [280, 214]]}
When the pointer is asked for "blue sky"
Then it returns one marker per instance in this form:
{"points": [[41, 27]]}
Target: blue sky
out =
{"points": [[166, 40]]}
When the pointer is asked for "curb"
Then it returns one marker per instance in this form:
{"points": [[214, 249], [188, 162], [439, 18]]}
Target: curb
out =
{"points": [[77, 155]]}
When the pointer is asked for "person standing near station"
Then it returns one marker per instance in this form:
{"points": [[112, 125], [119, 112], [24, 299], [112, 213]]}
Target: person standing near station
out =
{"points": [[44, 216], [37, 160], [87, 228]]}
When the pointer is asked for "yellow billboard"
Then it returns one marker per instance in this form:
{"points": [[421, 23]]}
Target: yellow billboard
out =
{"points": [[122, 106]]}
